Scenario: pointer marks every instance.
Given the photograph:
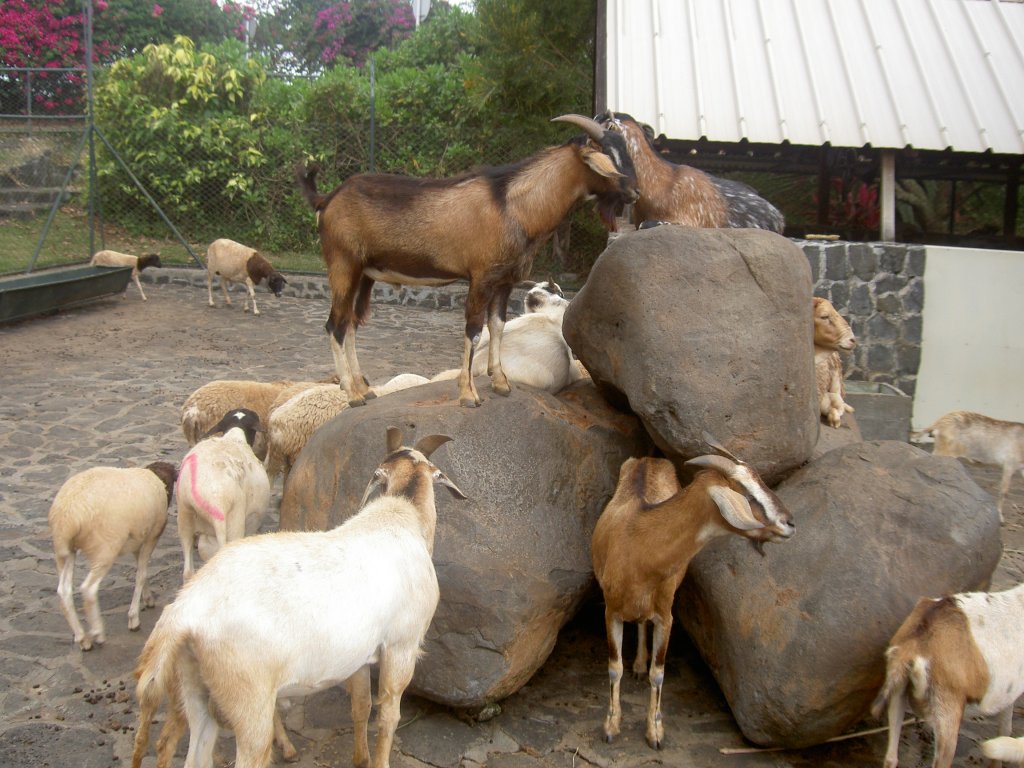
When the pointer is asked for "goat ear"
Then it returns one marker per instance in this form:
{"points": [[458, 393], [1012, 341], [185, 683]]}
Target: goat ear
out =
{"points": [[600, 163], [734, 508], [394, 439], [442, 479], [431, 443], [378, 480]]}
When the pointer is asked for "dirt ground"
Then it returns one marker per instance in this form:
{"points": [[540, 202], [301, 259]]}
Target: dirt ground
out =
{"points": [[103, 384]]}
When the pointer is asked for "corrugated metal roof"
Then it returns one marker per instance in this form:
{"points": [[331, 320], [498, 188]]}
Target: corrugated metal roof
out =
{"points": [[932, 74]]}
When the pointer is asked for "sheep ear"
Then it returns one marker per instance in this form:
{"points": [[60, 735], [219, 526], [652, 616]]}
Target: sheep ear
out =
{"points": [[394, 439], [734, 509], [431, 443], [600, 163], [442, 479]]}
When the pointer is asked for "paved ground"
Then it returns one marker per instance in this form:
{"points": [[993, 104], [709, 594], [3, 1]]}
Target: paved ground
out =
{"points": [[102, 385]]}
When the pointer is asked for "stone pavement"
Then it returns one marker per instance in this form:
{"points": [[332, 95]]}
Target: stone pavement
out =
{"points": [[103, 384]]}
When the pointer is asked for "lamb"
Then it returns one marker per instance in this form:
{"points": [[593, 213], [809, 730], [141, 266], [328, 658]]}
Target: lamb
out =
{"points": [[207, 405], [293, 422], [236, 262], [644, 541], [105, 512], [831, 333], [975, 437], [679, 194], [223, 490], [235, 639], [951, 653], [137, 263], [483, 226]]}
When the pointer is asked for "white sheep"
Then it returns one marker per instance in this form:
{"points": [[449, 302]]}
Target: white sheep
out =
{"points": [[292, 423], [975, 437], [207, 405], [137, 263], [956, 653], [105, 512], [290, 613], [234, 262], [1004, 748], [831, 333], [223, 490], [644, 541]]}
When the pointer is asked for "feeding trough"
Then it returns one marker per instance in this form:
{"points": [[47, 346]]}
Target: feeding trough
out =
{"points": [[882, 410], [47, 291]]}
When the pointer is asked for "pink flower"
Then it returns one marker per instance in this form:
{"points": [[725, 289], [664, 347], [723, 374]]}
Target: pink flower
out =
{"points": [[157, 10], [101, 5]]}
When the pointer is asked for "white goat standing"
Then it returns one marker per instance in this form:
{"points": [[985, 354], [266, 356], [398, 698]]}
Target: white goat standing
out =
{"points": [[291, 613], [831, 333], [643, 544], [105, 512], [975, 437], [951, 653], [223, 490]]}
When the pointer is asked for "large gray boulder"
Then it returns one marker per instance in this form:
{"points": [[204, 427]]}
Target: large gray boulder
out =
{"points": [[796, 638], [513, 561], [705, 329]]}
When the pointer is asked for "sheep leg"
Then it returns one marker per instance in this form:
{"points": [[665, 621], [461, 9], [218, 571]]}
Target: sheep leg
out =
{"points": [[659, 642], [641, 660], [359, 692], [141, 593], [496, 325], [186, 535], [613, 721], [135, 277], [396, 668], [66, 595], [224, 289], [91, 600], [209, 287], [251, 297], [1004, 487]]}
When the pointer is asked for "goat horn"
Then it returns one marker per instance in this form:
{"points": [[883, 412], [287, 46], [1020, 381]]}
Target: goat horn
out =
{"points": [[592, 128], [394, 439], [711, 441], [431, 443], [718, 463]]}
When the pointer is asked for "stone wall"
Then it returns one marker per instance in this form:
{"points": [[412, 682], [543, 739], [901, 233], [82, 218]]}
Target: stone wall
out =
{"points": [[879, 289]]}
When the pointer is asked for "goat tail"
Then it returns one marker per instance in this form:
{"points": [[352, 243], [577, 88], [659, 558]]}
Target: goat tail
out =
{"points": [[154, 673], [1004, 748], [306, 176], [902, 672]]}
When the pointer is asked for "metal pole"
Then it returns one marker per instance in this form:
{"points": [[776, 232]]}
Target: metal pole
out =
{"points": [[373, 119], [90, 124]]}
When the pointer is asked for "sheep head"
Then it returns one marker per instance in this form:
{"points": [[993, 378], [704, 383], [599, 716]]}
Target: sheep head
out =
{"points": [[831, 331]]}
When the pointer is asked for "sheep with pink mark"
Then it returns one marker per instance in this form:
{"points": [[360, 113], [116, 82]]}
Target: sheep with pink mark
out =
{"points": [[223, 490]]}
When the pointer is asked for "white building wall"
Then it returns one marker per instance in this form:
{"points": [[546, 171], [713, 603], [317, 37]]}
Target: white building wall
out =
{"points": [[972, 341]]}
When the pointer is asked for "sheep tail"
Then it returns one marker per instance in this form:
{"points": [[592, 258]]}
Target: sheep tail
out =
{"points": [[154, 675]]}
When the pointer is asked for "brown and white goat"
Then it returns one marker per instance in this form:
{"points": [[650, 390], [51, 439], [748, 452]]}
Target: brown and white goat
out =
{"points": [[483, 226], [643, 544], [234, 262], [953, 653], [679, 194], [137, 263], [972, 436], [831, 333], [291, 613]]}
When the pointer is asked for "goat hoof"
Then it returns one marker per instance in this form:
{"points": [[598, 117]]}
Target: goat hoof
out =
{"points": [[355, 402], [468, 402], [654, 743], [369, 395]]}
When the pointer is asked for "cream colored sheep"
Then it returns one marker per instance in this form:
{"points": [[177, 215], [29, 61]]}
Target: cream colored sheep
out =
{"points": [[137, 263], [831, 333], [234, 262]]}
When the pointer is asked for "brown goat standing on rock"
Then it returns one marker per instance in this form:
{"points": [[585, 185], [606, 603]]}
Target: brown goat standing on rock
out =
{"points": [[644, 541], [483, 226], [679, 194]]}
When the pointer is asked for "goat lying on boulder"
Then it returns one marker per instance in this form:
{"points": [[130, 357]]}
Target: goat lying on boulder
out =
{"points": [[483, 226], [975, 437], [234, 262], [137, 263], [679, 194], [831, 334], [644, 541], [291, 613], [950, 653]]}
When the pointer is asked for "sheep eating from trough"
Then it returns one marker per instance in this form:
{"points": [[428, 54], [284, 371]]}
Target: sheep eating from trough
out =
{"points": [[963, 652], [831, 333], [236, 638], [483, 226], [234, 262], [644, 541], [137, 263], [972, 436], [105, 512], [679, 194], [223, 490]]}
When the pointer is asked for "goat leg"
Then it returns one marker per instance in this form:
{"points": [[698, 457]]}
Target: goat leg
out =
{"points": [[613, 721], [655, 733]]}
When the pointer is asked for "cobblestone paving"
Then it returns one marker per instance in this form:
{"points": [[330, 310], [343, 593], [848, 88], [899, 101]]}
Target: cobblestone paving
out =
{"points": [[103, 384]]}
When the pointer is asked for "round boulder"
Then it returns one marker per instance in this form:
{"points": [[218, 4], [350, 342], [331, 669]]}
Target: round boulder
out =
{"points": [[796, 639], [512, 561], [705, 329]]}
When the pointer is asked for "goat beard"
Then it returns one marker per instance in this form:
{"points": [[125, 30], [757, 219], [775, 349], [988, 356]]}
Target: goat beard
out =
{"points": [[607, 211]]}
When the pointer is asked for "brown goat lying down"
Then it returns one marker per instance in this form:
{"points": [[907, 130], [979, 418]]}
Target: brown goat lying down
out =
{"points": [[483, 226]]}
